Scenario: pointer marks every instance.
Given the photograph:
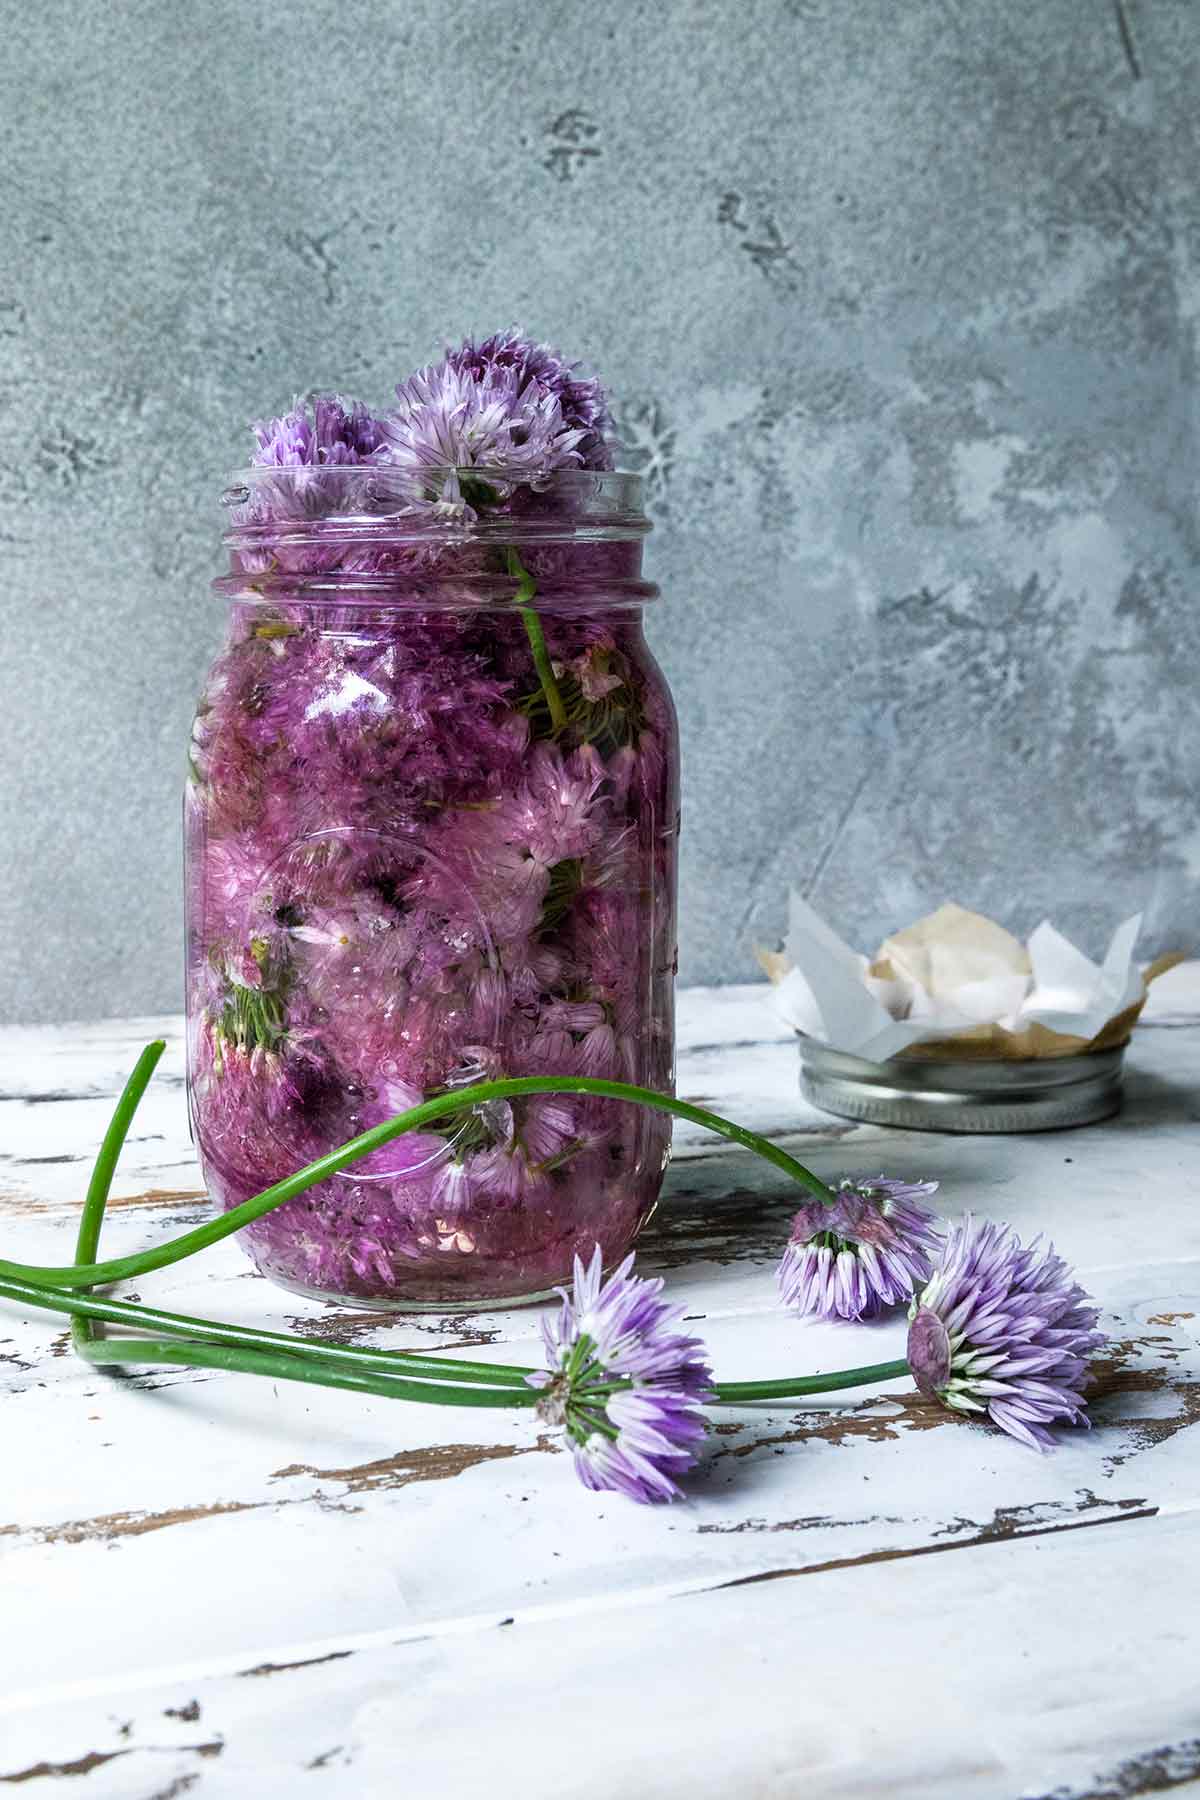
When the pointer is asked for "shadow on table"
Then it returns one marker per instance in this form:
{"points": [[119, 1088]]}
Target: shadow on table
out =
{"points": [[1152, 1099]]}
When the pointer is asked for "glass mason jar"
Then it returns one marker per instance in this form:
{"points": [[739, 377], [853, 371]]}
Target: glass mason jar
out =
{"points": [[431, 828]]}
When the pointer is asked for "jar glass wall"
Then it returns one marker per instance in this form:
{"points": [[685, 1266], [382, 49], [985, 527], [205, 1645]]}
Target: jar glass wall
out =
{"points": [[431, 825]]}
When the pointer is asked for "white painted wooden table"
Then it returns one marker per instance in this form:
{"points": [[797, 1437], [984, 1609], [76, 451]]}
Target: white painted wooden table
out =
{"points": [[215, 1586]]}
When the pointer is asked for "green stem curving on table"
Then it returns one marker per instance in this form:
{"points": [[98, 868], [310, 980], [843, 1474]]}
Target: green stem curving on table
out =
{"points": [[396, 1374]]}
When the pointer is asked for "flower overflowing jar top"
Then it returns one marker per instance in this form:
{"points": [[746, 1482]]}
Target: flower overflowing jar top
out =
{"points": [[500, 445]]}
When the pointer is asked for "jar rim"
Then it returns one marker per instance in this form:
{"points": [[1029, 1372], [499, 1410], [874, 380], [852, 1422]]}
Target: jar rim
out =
{"points": [[611, 492], [571, 475], [332, 503]]}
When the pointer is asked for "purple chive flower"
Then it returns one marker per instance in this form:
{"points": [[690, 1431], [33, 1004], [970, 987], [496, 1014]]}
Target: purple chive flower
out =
{"points": [[446, 420], [627, 1387], [583, 401], [507, 404], [870, 1250], [335, 432], [1004, 1329]]}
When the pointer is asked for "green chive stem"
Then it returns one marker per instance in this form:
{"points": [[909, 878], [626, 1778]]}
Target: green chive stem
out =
{"points": [[96, 1199], [281, 1366], [734, 1393], [85, 1307], [526, 589], [207, 1343], [125, 1268], [276, 1354]]}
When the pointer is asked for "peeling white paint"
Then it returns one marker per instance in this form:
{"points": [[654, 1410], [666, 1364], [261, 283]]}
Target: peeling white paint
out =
{"points": [[349, 1603]]}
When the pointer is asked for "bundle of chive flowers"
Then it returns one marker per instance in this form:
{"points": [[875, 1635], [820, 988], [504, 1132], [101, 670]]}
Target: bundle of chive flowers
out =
{"points": [[430, 830], [998, 1328]]}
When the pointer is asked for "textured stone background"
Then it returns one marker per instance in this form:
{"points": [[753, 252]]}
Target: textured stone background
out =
{"points": [[898, 298]]}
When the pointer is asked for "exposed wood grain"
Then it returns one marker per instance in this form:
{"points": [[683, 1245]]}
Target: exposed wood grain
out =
{"points": [[148, 1201], [96, 1759], [108, 1526], [441, 1462], [305, 1662], [1001, 1535]]}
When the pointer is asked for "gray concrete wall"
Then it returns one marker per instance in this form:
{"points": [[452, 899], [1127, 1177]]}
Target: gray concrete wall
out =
{"points": [[898, 298]]}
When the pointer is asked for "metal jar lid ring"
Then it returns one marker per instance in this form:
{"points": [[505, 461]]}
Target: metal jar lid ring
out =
{"points": [[928, 1094]]}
